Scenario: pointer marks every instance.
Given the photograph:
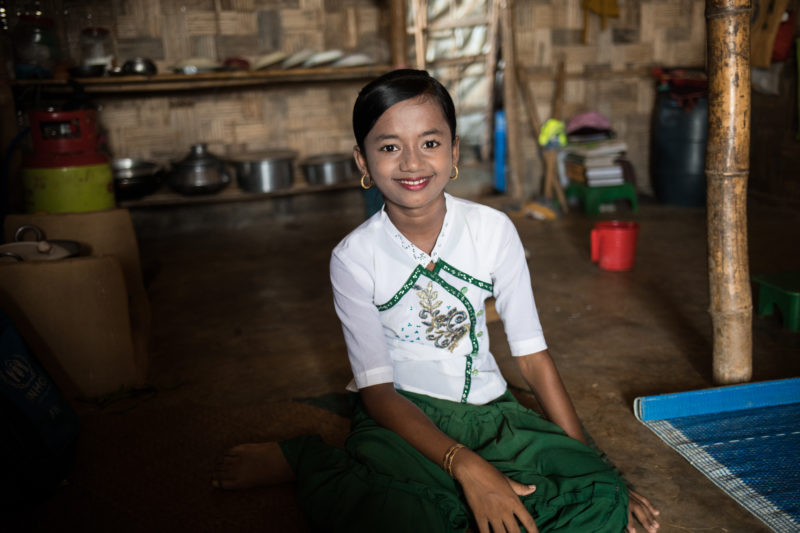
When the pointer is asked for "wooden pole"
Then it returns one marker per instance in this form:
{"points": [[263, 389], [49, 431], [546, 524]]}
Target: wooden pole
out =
{"points": [[558, 92], [397, 20], [491, 74], [727, 170], [420, 9], [510, 99]]}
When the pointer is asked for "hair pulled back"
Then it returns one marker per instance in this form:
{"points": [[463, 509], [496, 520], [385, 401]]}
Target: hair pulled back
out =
{"points": [[396, 86]]}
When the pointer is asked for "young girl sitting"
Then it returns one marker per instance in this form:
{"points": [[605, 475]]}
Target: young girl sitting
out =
{"points": [[438, 443]]}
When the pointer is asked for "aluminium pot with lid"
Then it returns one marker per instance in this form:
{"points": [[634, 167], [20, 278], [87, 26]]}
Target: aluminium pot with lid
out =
{"points": [[38, 249], [265, 171], [329, 169], [200, 172]]}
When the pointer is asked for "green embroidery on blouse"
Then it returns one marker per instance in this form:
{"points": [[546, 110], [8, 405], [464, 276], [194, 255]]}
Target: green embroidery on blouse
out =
{"points": [[445, 329], [450, 269], [472, 337], [467, 379], [407, 286]]}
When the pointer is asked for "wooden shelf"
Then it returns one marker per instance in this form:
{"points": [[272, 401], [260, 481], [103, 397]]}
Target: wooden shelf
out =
{"points": [[166, 197], [151, 85], [210, 80]]}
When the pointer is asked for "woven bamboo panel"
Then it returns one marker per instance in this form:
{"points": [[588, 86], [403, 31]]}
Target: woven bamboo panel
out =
{"points": [[182, 5], [252, 133], [177, 45], [368, 18], [238, 23], [201, 23], [238, 5], [633, 54], [312, 5], [608, 73], [567, 14], [276, 4], [300, 20], [139, 23], [337, 30]]}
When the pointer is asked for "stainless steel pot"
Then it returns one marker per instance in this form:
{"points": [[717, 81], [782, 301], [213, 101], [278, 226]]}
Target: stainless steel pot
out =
{"points": [[329, 169], [139, 65], [265, 171], [38, 249], [200, 172], [134, 178]]}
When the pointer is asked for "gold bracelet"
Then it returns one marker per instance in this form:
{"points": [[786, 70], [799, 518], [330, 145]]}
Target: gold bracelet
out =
{"points": [[447, 462]]}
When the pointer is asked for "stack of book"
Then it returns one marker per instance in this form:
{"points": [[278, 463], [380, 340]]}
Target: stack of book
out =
{"points": [[595, 163]]}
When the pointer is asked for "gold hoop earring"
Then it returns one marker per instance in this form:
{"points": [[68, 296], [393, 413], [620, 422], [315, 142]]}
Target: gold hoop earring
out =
{"points": [[454, 178], [366, 185]]}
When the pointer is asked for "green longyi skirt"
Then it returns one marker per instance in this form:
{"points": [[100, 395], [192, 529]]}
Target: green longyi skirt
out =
{"points": [[380, 484]]}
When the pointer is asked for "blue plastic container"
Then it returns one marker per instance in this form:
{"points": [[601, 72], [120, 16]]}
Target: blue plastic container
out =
{"points": [[500, 151], [680, 129]]}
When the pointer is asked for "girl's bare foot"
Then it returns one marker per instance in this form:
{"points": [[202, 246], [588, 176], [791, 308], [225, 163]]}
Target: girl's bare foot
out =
{"points": [[252, 465]]}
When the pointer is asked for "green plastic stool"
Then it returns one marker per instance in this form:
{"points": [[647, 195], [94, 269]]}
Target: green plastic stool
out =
{"points": [[593, 197], [781, 290]]}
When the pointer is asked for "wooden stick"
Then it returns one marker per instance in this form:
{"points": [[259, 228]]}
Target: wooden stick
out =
{"points": [[491, 72], [397, 16], [420, 18], [218, 25], [530, 102], [510, 100], [558, 92], [727, 170], [549, 156]]}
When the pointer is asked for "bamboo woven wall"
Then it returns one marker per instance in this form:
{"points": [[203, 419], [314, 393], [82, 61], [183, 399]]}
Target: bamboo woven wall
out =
{"points": [[308, 118], [611, 72]]}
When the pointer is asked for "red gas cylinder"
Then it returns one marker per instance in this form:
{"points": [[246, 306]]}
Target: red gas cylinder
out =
{"points": [[66, 172]]}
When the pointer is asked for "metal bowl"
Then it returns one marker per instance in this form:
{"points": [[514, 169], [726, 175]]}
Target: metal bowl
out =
{"points": [[127, 168], [87, 71], [134, 178], [139, 65]]}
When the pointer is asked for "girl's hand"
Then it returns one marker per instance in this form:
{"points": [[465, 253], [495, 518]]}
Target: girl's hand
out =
{"points": [[492, 496], [644, 512]]}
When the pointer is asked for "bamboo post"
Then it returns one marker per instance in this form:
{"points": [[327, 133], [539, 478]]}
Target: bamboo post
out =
{"points": [[491, 73], [558, 91], [727, 170], [530, 102], [397, 20], [420, 8], [218, 28], [510, 99]]}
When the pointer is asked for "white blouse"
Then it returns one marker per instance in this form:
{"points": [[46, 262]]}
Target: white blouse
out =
{"points": [[425, 331]]}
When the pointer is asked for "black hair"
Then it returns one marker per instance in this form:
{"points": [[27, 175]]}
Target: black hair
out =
{"points": [[396, 86]]}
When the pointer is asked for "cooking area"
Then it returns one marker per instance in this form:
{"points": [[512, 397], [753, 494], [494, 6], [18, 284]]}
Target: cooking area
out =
{"points": [[176, 176]]}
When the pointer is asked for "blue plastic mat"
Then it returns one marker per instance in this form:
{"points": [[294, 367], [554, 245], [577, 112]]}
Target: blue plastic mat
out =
{"points": [[744, 438]]}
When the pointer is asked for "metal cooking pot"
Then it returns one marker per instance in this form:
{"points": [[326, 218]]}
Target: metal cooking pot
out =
{"points": [[200, 172], [39, 249], [139, 65], [329, 169], [134, 178], [265, 171]]}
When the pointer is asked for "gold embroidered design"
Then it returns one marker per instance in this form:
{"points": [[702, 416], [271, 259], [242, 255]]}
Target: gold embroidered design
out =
{"points": [[445, 329]]}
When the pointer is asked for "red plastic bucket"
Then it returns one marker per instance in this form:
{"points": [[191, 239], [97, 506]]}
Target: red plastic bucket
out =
{"points": [[614, 244]]}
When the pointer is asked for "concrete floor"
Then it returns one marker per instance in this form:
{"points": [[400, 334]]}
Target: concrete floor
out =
{"points": [[243, 318]]}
